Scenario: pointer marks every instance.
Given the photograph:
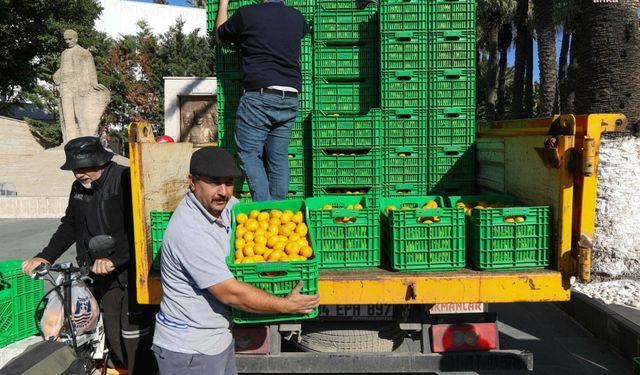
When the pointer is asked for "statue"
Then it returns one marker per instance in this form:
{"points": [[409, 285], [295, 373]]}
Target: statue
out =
{"points": [[82, 100], [200, 132]]}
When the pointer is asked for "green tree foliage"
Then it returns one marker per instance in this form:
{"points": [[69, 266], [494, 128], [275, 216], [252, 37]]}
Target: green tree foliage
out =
{"points": [[30, 40]]}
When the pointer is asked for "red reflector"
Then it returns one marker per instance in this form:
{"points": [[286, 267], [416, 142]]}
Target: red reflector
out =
{"points": [[463, 337]]}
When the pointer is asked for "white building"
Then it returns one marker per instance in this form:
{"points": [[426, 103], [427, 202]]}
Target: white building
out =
{"points": [[120, 17]]}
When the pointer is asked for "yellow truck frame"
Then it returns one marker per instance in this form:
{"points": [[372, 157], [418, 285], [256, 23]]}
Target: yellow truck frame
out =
{"points": [[548, 161]]}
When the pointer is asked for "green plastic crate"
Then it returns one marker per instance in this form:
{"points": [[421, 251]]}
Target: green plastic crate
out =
{"points": [[403, 15], [351, 26], [405, 165], [347, 5], [394, 190], [346, 168], [403, 89], [403, 50], [451, 170], [493, 244], [296, 192], [405, 127], [212, 10], [412, 245], [345, 97], [306, 7], [19, 298], [159, 221], [636, 366], [301, 130], [345, 245], [452, 88], [452, 49], [256, 274], [228, 59], [346, 131], [351, 61], [451, 15], [370, 193], [451, 126]]}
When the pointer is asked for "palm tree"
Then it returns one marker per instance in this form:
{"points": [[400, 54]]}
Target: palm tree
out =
{"points": [[565, 14], [608, 51], [521, 17], [546, 35], [492, 14], [505, 38]]}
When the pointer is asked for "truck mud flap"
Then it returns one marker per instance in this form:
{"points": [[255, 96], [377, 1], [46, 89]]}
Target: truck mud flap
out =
{"points": [[384, 363]]}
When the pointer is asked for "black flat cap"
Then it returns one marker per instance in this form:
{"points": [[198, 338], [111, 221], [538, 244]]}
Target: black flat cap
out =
{"points": [[213, 162], [85, 152]]}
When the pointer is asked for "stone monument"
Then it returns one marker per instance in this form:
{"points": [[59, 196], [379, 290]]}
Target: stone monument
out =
{"points": [[201, 132], [82, 100]]}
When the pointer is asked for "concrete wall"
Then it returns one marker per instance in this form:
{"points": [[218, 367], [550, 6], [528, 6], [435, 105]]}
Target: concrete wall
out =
{"points": [[16, 141], [120, 17], [32, 207], [174, 88]]}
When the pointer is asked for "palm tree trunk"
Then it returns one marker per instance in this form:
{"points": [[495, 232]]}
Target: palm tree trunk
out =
{"points": [[504, 41], [561, 93], [522, 8], [492, 74], [572, 72], [528, 80], [546, 32], [608, 49]]}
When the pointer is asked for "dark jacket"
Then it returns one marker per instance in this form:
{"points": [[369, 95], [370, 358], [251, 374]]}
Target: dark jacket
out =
{"points": [[104, 209]]}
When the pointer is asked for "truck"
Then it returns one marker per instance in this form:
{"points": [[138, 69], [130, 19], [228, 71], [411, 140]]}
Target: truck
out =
{"points": [[407, 322]]}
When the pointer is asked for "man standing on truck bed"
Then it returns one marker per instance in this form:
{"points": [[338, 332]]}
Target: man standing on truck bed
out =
{"points": [[193, 334], [100, 203], [269, 35]]}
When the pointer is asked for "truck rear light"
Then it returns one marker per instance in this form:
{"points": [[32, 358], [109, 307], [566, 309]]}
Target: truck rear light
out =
{"points": [[464, 337]]}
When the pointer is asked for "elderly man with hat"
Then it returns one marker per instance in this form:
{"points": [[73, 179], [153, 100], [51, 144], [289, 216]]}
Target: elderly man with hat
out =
{"points": [[100, 203], [192, 334]]}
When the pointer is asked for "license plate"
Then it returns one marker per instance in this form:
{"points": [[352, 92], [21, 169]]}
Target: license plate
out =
{"points": [[454, 308], [357, 312]]}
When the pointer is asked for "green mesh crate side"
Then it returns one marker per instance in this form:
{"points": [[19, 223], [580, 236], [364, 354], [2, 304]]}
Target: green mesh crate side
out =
{"points": [[370, 193], [228, 59], [452, 49], [403, 50], [346, 131], [453, 161], [403, 89], [19, 297], [404, 127], [345, 245], [451, 15], [401, 15], [301, 130], [452, 88], [475, 199], [159, 221], [345, 97], [353, 61], [394, 190], [345, 26], [285, 274], [306, 56], [345, 168], [296, 192], [404, 165], [451, 126], [636, 366], [447, 186], [412, 245], [346, 5], [495, 244]]}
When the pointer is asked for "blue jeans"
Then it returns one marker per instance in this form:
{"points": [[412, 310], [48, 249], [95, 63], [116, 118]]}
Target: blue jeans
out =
{"points": [[174, 363], [262, 135]]}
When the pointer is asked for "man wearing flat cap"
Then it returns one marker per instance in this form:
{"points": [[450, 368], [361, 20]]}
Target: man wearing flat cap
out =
{"points": [[193, 328], [100, 203]]}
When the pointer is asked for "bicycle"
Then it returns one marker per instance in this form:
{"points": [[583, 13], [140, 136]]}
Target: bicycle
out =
{"points": [[89, 346]]}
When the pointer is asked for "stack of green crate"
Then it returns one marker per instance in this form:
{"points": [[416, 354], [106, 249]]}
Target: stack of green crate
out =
{"points": [[451, 96], [346, 134], [403, 93], [230, 89]]}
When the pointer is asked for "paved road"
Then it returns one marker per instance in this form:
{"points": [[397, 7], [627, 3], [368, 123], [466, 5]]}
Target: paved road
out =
{"points": [[559, 344]]}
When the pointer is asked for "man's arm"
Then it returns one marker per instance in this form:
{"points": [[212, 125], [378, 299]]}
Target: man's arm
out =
{"points": [[223, 10], [251, 299]]}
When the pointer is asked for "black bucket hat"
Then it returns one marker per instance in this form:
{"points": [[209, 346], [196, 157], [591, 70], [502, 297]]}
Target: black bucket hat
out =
{"points": [[213, 162], [85, 152]]}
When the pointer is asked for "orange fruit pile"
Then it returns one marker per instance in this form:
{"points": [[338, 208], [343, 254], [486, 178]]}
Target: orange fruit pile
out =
{"points": [[275, 236]]}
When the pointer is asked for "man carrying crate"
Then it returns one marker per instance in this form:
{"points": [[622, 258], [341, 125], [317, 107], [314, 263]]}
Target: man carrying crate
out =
{"points": [[269, 35], [193, 335]]}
